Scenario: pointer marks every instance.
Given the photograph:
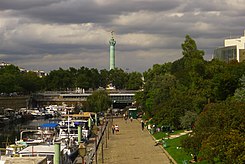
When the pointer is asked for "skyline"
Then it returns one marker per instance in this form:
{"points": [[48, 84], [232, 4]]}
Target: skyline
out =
{"points": [[48, 34]]}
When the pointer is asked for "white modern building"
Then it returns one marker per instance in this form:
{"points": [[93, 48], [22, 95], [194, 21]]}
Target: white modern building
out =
{"points": [[234, 49]]}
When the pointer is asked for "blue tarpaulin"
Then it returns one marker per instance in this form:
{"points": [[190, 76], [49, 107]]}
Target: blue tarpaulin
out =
{"points": [[49, 125]]}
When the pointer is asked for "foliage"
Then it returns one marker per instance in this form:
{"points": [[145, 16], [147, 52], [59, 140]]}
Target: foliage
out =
{"points": [[13, 80], [239, 94], [219, 133], [188, 119], [134, 81], [118, 78], [99, 101]]}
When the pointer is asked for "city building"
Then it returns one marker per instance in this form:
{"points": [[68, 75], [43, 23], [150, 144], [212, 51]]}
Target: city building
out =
{"points": [[39, 73], [112, 44], [3, 64], [234, 49]]}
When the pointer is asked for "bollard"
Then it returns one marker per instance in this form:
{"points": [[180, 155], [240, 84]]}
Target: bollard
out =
{"points": [[57, 153], [79, 133], [89, 124], [96, 119]]}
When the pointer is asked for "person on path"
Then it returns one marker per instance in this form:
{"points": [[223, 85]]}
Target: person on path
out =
{"points": [[116, 128], [131, 118], [113, 129], [125, 118], [142, 125]]}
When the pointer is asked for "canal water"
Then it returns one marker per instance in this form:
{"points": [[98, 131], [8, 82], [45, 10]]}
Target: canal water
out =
{"points": [[9, 133]]}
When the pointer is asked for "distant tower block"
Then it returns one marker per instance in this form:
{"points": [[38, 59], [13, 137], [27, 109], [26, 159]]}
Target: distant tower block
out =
{"points": [[112, 43]]}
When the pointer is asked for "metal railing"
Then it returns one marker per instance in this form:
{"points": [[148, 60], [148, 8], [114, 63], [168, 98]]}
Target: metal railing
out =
{"points": [[92, 153]]}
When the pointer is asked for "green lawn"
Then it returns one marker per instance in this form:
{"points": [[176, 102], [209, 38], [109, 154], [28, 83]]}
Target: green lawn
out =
{"points": [[174, 147], [175, 150], [159, 135]]}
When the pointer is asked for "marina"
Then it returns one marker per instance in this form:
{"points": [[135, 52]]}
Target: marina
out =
{"points": [[60, 139]]}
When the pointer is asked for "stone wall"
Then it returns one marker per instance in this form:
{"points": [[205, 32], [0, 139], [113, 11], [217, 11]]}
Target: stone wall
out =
{"points": [[15, 102]]}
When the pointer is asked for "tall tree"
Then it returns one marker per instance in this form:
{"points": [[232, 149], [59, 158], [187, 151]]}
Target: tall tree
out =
{"points": [[99, 101], [218, 133], [134, 81]]}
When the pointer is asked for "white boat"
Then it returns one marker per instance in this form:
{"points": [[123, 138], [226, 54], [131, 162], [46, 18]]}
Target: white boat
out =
{"points": [[46, 133], [70, 128], [46, 151]]}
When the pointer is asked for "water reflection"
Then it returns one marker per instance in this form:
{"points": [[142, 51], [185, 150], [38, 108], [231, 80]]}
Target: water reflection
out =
{"points": [[9, 133]]}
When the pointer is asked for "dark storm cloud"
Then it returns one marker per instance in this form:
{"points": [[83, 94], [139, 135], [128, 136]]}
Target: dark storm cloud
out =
{"points": [[82, 11], [49, 34], [25, 4]]}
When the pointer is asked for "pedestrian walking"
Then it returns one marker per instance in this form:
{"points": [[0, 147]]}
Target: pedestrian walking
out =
{"points": [[125, 118], [131, 119], [142, 125], [116, 128], [113, 129]]}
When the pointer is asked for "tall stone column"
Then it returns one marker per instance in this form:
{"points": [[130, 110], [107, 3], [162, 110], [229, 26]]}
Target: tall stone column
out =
{"points": [[112, 43]]}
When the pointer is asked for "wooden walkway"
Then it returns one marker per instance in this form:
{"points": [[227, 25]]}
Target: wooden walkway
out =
{"points": [[132, 146]]}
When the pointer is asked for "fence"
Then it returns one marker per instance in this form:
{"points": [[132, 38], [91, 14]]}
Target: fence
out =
{"points": [[98, 146]]}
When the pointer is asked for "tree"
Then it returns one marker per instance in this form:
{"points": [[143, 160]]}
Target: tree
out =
{"points": [[104, 78], [188, 120], [190, 50], [59, 80], [214, 130], [134, 81], [99, 101], [240, 91], [9, 79], [30, 82], [118, 78]]}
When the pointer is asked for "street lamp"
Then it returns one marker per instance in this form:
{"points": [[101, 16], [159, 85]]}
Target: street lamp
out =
{"points": [[82, 151]]}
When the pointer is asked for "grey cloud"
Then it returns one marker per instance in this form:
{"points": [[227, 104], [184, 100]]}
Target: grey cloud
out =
{"points": [[25, 4], [39, 34], [76, 11]]}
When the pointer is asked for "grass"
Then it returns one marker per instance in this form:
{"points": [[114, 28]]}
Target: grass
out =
{"points": [[159, 135], [175, 150], [174, 147]]}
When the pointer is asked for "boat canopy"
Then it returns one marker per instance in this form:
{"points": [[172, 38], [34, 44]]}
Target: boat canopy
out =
{"points": [[49, 125]]}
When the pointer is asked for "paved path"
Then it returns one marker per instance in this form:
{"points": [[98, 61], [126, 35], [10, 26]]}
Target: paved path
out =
{"points": [[133, 146]]}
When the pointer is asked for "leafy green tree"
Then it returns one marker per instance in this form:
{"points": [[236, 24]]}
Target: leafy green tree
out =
{"points": [[118, 78], [10, 83], [188, 120], [59, 80], [213, 133], [240, 91], [82, 78], [190, 50], [99, 101], [94, 78], [134, 81], [9, 79], [104, 78], [30, 82]]}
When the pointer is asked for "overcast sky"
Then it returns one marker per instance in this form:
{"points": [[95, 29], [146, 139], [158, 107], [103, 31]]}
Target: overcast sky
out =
{"points": [[49, 34]]}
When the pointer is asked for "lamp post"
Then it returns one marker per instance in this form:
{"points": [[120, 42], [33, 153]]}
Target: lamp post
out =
{"points": [[82, 151]]}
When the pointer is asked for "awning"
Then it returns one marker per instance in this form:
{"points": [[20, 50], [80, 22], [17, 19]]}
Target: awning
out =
{"points": [[49, 125]]}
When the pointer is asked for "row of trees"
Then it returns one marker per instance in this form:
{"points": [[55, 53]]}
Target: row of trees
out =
{"points": [[13, 80], [91, 78], [202, 95]]}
